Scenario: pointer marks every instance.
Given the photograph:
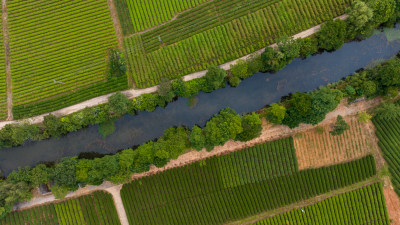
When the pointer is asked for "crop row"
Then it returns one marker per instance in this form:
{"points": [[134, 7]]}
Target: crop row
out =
{"points": [[362, 206], [227, 42], [94, 209], [262, 162], [138, 15], [57, 47], [388, 132], [3, 84], [59, 102], [201, 18], [197, 193]]}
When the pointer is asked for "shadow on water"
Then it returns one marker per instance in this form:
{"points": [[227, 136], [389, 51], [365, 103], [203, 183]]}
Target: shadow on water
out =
{"points": [[251, 95]]}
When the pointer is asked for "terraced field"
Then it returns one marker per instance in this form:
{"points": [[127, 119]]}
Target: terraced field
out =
{"points": [[57, 48], [235, 186], [318, 148], [362, 206], [94, 209], [220, 31]]}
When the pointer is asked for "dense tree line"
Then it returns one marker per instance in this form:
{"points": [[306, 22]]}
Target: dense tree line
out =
{"points": [[71, 172]]}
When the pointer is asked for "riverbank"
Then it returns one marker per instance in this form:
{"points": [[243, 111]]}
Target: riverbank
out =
{"points": [[269, 133], [133, 93]]}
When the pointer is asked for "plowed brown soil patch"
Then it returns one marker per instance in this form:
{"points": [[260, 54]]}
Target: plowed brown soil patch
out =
{"points": [[316, 149], [392, 204]]}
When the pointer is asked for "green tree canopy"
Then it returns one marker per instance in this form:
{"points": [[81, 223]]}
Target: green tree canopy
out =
{"points": [[276, 113], [222, 127], [273, 60], [41, 174], [359, 20], [289, 47], [165, 90], [65, 173], [251, 125], [340, 126], [387, 111], [215, 78], [384, 10], [197, 138], [332, 35], [119, 104], [388, 74], [11, 193]]}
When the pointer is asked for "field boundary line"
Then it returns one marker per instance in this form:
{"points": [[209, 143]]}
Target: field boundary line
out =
{"points": [[7, 59], [116, 23], [133, 93], [119, 205], [166, 22]]}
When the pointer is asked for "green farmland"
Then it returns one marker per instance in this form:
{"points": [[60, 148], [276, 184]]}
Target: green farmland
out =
{"points": [[58, 48], [362, 206], [94, 209], [388, 132], [138, 15], [3, 84], [220, 31], [235, 186]]}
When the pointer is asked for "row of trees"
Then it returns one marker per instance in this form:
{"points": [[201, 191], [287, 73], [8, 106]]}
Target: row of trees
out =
{"points": [[70, 172], [312, 107], [363, 18]]}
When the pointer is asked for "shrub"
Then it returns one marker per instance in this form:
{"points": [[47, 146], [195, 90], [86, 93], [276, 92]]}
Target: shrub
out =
{"points": [[364, 117], [251, 125], [215, 78], [309, 46], [240, 69], [332, 35], [276, 113], [197, 138], [340, 126]]}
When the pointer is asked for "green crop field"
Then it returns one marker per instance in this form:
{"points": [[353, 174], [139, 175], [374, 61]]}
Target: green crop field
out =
{"points": [[3, 84], [219, 31], [138, 15], [58, 47], [388, 132], [362, 206], [235, 186], [94, 209]]}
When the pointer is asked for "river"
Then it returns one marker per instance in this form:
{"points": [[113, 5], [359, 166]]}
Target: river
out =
{"points": [[252, 94]]}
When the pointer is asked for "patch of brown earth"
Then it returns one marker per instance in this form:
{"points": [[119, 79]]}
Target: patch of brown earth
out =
{"points": [[318, 147], [392, 204], [269, 133], [117, 24]]}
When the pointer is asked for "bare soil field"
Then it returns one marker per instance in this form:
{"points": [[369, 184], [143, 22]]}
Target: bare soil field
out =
{"points": [[392, 203], [318, 147]]}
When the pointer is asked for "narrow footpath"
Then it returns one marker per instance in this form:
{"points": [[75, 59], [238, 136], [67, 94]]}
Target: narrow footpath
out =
{"points": [[133, 93]]}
